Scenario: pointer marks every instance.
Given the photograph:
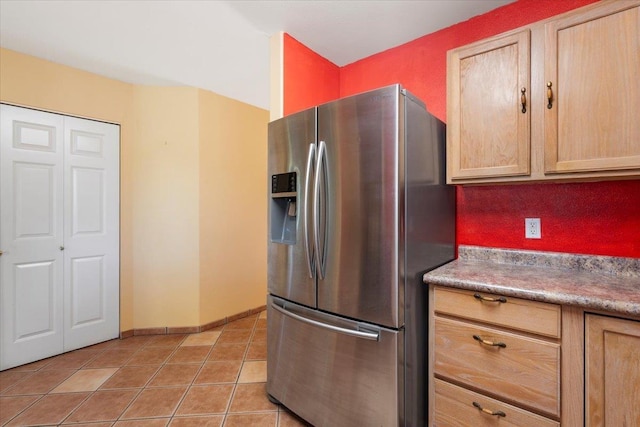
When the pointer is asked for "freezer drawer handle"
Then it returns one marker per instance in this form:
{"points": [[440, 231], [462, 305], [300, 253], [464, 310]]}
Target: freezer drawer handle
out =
{"points": [[373, 336]]}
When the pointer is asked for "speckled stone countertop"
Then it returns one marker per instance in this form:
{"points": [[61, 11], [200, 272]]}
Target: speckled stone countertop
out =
{"points": [[596, 282]]}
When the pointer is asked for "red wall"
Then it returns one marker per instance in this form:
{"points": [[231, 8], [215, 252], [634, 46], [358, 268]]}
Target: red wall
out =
{"points": [[309, 79], [592, 218]]}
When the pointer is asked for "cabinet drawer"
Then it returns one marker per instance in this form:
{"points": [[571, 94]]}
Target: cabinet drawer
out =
{"points": [[454, 406], [524, 315], [526, 370]]}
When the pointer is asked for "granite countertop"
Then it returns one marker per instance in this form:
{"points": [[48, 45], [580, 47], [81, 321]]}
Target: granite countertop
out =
{"points": [[589, 281]]}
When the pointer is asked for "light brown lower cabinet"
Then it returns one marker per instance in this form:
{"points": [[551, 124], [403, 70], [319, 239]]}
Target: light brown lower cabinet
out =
{"points": [[612, 365], [552, 365]]}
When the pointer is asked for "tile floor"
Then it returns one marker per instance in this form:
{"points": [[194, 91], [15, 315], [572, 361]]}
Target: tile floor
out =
{"points": [[214, 378]]}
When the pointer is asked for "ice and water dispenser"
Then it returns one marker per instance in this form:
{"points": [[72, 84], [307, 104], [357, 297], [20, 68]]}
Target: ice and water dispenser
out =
{"points": [[283, 208]]}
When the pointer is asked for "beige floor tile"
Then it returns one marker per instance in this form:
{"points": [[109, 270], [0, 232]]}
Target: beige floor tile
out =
{"points": [[155, 403], [12, 405], [268, 419], [85, 380], [253, 372], [206, 399], [203, 338], [51, 409], [201, 421], [103, 406], [263, 314], [131, 377], [261, 324], [251, 398]]}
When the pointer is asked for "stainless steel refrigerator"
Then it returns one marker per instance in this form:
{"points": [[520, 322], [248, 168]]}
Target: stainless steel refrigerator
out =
{"points": [[358, 211]]}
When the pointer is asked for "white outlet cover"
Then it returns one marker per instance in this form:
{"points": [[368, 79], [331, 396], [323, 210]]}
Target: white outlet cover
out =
{"points": [[532, 228]]}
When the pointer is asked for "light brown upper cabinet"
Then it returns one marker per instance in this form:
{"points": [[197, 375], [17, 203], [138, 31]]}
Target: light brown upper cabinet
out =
{"points": [[556, 100], [593, 66], [490, 134]]}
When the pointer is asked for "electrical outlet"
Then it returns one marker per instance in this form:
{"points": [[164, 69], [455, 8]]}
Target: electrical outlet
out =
{"points": [[532, 229]]}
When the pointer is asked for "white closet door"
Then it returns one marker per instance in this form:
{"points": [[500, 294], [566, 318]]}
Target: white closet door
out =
{"points": [[31, 235], [91, 232], [59, 234]]}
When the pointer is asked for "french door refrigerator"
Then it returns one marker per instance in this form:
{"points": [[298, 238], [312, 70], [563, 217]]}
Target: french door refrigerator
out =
{"points": [[358, 211]]}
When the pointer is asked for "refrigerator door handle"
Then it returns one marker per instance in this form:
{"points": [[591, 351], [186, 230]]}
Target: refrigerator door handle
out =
{"points": [[373, 336], [308, 248], [322, 152]]}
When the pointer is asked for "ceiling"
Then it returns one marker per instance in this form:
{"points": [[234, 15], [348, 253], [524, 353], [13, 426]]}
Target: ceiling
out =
{"points": [[222, 46]]}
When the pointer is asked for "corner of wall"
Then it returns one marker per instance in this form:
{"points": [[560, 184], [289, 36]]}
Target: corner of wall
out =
{"points": [[276, 49]]}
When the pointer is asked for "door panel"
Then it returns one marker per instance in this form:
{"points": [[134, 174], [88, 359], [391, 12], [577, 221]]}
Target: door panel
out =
{"points": [[363, 206], [92, 212], [87, 290], [31, 234], [35, 308], [34, 200], [87, 200], [289, 275]]}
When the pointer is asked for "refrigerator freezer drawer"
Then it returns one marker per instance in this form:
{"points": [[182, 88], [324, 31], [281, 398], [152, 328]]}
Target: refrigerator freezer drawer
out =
{"points": [[333, 371]]}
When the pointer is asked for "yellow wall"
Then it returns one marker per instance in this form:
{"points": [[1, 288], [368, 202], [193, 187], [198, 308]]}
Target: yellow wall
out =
{"points": [[164, 186], [233, 208], [192, 249]]}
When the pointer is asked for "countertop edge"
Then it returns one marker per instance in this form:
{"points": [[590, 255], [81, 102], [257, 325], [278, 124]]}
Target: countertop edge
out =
{"points": [[616, 294]]}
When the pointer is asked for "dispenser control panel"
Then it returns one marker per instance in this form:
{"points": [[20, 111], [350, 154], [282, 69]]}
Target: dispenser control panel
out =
{"points": [[283, 183]]}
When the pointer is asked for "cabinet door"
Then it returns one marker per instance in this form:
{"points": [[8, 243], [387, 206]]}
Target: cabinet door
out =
{"points": [[592, 62], [612, 371], [488, 109]]}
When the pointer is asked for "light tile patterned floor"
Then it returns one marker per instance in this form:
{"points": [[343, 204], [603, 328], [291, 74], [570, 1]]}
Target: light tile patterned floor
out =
{"points": [[215, 378]]}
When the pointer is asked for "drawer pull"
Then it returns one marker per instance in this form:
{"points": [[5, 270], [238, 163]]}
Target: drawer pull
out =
{"points": [[491, 343], [489, 411], [489, 299]]}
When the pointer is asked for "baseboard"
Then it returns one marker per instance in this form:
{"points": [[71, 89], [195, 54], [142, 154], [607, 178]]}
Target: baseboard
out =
{"points": [[190, 329]]}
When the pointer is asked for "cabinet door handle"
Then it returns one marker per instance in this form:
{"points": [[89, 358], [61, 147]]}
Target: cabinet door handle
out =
{"points": [[490, 299], [489, 411], [549, 95], [523, 99], [489, 343]]}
